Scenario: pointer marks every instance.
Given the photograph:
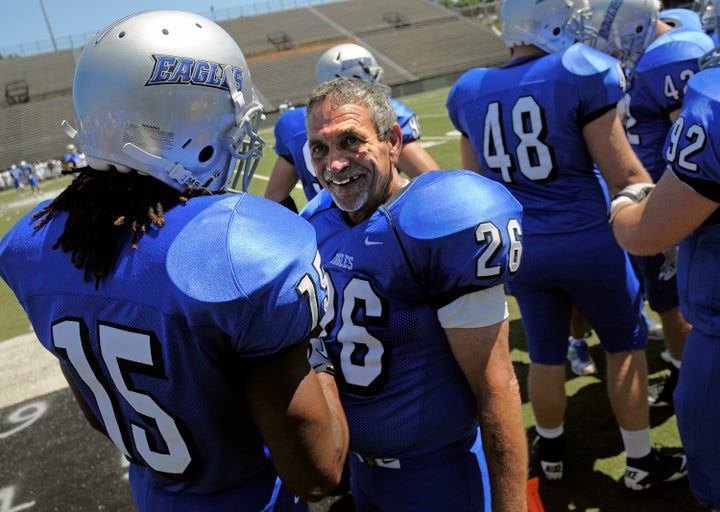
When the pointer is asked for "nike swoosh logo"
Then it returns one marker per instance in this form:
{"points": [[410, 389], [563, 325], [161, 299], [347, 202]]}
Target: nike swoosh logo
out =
{"points": [[322, 350], [370, 242]]}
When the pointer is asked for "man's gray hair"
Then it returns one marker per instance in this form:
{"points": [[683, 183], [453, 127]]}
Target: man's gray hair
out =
{"points": [[343, 91]]}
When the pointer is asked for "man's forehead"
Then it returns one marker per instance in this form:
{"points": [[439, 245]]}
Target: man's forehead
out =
{"points": [[333, 116]]}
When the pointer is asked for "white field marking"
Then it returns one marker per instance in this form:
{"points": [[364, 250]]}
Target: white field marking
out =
{"points": [[23, 417], [6, 501], [27, 371]]}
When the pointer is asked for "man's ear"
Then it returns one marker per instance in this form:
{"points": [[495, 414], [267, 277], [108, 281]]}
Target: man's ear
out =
{"points": [[395, 140]]}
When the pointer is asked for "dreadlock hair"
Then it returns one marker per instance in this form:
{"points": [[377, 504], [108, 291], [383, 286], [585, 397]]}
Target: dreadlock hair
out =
{"points": [[102, 207]]}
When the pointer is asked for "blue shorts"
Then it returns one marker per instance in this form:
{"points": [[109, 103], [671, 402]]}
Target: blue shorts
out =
{"points": [[697, 406], [588, 269], [460, 483], [264, 492], [661, 295]]}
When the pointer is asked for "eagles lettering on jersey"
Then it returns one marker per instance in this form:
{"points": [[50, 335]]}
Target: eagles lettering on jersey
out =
{"points": [[388, 276], [516, 134], [169, 69]]}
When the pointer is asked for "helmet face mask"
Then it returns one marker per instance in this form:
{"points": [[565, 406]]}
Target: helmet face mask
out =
{"points": [[711, 24], [708, 17], [621, 28], [348, 60], [169, 94]]}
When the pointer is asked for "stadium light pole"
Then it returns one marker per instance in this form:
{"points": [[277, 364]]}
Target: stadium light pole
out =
{"points": [[47, 22]]}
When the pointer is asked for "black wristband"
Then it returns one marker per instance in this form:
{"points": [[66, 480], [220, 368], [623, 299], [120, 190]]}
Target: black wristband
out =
{"points": [[325, 368]]}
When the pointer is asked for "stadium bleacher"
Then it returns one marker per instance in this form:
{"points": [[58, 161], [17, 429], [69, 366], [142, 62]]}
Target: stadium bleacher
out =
{"points": [[417, 42]]}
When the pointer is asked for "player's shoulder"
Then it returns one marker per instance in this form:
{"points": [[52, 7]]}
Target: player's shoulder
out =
{"points": [[681, 17], [678, 43], [322, 202], [687, 34], [451, 201], [702, 89], [240, 240], [291, 119], [470, 78], [582, 60]]}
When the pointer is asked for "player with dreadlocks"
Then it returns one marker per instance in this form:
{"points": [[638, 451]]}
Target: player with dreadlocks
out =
{"points": [[101, 207], [182, 315]]}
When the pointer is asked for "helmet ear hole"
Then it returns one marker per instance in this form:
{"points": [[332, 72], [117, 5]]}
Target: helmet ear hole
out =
{"points": [[206, 154]]}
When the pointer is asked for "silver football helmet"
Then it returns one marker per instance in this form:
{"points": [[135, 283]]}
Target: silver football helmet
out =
{"points": [[621, 28], [348, 60], [169, 94], [541, 23], [710, 19]]}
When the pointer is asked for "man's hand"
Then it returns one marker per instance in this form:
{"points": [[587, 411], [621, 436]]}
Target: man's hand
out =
{"points": [[632, 194]]}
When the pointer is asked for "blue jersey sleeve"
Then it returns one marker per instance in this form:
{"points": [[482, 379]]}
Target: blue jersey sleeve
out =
{"points": [[291, 143], [282, 294], [408, 121], [471, 241], [289, 127], [598, 75], [690, 147]]}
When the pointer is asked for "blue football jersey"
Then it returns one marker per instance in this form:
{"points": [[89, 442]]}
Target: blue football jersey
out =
{"points": [[403, 392], [160, 349], [292, 145], [525, 122], [658, 88], [693, 151]]}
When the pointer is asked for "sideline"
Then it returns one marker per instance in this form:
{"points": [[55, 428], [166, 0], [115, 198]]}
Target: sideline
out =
{"points": [[27, 371]]}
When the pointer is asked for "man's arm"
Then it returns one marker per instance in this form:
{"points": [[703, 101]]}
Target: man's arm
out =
{"points": [[282, 180], [299, 415], [468, 157], [670, 213], [483, 354], [414, 160], [610, 149]]}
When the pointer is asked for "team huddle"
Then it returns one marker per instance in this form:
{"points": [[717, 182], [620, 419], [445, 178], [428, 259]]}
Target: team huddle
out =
{"points": [[244, 355]]}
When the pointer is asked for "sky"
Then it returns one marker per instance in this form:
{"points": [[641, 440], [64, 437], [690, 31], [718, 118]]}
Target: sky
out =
{"points": [[22, 21]]}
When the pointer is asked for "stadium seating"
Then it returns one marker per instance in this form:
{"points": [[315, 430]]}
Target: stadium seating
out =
{"points": [[416, 41]]}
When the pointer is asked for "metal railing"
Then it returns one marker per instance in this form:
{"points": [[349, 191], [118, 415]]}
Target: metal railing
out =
{"points": [[80, 40]]}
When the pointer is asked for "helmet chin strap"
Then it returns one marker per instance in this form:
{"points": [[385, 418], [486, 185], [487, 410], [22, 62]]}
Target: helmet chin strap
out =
{"points": [[175, 170]]}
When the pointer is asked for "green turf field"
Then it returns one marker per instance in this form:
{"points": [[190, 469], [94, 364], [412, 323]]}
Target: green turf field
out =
{"points": [[595, 459]]}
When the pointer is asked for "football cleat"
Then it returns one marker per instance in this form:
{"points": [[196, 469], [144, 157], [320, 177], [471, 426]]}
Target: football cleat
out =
{"points": [[654, 468], [581, 362], [660, 393], [655, 330], [549, 454]]}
